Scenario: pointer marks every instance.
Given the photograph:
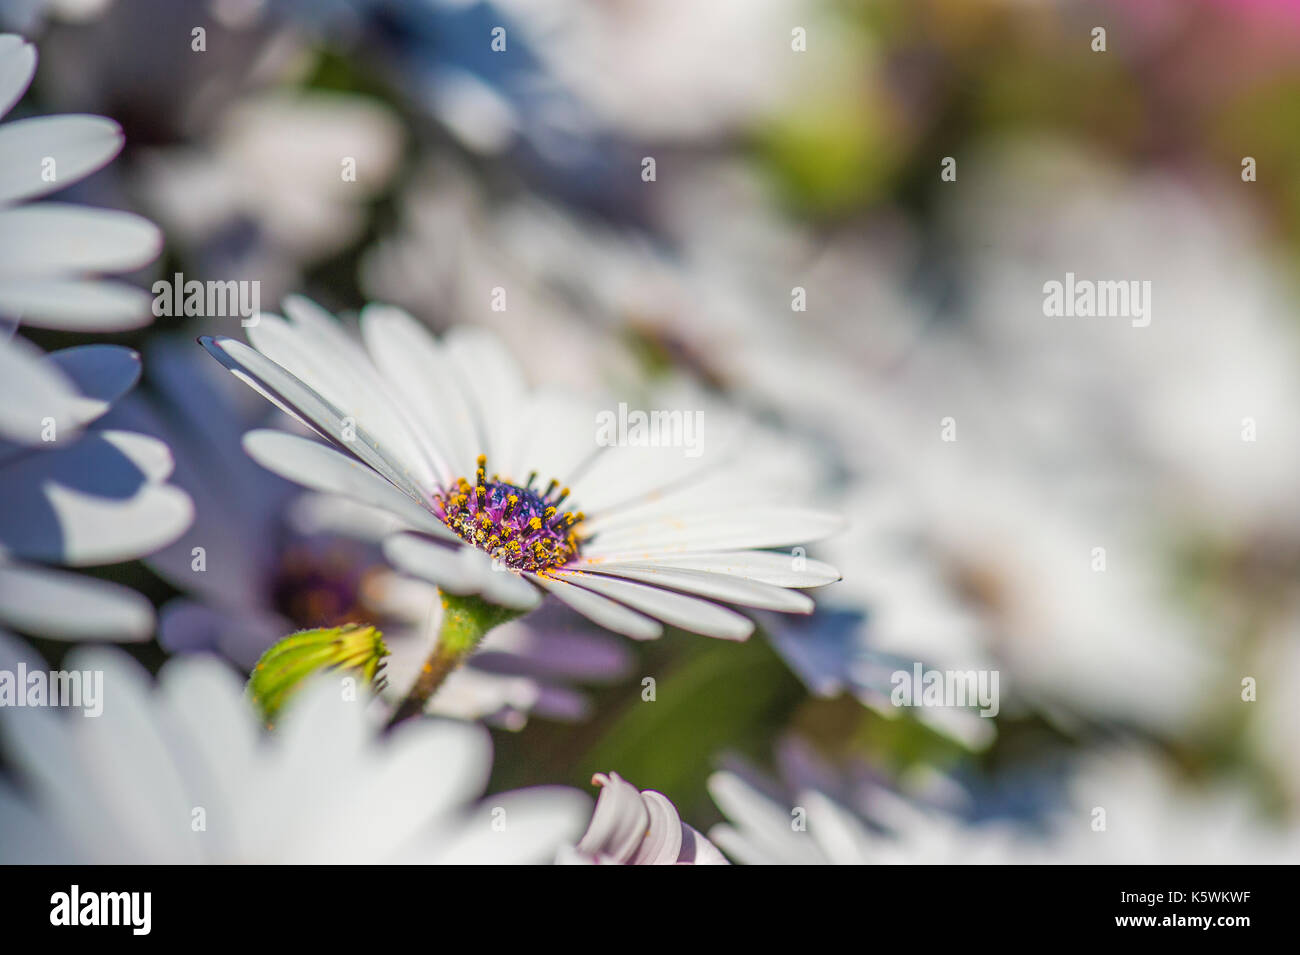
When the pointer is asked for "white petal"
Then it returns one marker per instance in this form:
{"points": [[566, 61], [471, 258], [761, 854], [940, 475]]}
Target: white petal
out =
{"points": [[217, 738], [695, 495], [495, 381], [461, 754], [554, 436], [779, 570], [749, 851], [42, 752], [126, 751], [457, 569], [718, 586], [663, 837], [428, 381], [322, 468], [515, 828], [150, 456], [764, 825], [294, 397], [95, 502], [317, 513], [843, 839], [509, 589], [599, 610], [17, 67], [628, 473], [14, 650], [78, 145], [698, 850], [460, 570], [722, 531], [619, 822], [58, 238], [427, 768], [471, 694], [26, 836], [102, 373], [68, 606], [35, 389], [98, 305], [689, 613], [554, 648], [316, 349]]}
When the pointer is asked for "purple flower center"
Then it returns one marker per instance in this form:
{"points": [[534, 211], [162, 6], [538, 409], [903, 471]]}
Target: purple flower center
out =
{"points": [[520, 526], [319, 584]]}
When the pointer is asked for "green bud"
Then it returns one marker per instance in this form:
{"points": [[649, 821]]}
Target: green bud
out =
{"points": [[283, 668]]}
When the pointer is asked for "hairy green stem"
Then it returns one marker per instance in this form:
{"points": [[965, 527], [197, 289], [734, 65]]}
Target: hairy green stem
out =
{"points": [[465, 621]]}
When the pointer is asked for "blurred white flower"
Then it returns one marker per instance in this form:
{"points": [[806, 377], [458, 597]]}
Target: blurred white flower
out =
{"points": [[453, 249], [1202, 401], [53, 254], [638, 828], [675, 69], [659, 526], [281, 183], [180, 773], [1070, 602], [1151, 816]]}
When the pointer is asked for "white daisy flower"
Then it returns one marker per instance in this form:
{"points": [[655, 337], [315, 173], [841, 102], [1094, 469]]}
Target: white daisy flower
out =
{"points": [[277, 559], [446, 437], [52, 254], [76, 497], [638, 828], [181, 773]]}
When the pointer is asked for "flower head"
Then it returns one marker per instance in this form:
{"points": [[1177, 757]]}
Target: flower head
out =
{"points": [[445, 437], [278, 559], [522, 527]]}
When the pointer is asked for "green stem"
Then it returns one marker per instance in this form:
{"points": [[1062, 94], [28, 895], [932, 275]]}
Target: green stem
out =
{"points": [[465, 621]]}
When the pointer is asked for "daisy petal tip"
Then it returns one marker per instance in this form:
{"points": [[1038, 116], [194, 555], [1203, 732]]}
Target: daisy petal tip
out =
{"points": [[214, 345]]}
